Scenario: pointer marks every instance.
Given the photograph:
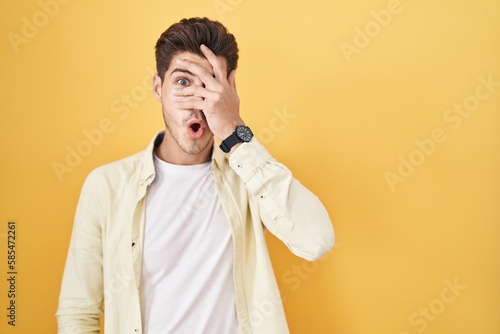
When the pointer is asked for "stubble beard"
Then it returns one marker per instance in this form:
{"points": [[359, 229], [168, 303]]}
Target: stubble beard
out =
{"points": [[186, 144]]}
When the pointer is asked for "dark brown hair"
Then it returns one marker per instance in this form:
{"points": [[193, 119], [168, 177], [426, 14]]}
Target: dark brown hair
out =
{"points": [[188, 35]]}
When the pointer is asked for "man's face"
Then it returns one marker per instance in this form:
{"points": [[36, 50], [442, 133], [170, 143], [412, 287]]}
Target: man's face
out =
{"points": [[187, 128]]}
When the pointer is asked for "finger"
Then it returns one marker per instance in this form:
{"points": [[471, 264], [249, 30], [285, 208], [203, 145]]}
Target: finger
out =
{"points": [[218, 65], [188, 98], [199, 71], [194, 90], [191, 104]]}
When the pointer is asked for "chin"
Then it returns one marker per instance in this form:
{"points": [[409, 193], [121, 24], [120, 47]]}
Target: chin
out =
{"points": [[199, 146]]}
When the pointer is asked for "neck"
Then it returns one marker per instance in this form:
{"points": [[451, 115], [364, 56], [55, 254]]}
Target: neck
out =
{"points": [[170, 152]]}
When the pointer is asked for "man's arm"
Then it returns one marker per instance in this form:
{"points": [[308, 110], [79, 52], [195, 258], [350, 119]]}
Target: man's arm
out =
{"points": [[81, 296], [288, 209]]}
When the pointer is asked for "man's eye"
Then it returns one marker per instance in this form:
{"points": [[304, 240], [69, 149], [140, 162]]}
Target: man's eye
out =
{"points": [[183, 82]]}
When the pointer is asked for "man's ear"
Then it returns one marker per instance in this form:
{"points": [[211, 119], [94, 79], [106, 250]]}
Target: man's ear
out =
{"points": [[157, 87]]}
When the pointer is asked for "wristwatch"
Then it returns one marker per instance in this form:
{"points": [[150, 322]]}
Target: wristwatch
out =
{"points": [[242, 134]]}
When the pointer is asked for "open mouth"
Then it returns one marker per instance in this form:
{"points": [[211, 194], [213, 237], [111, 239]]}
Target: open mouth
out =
{"points": [[196, 128]]}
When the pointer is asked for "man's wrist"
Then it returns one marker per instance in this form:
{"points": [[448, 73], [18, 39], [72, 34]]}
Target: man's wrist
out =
{"points": [[229, 130], [234, 148], [240, 135]]}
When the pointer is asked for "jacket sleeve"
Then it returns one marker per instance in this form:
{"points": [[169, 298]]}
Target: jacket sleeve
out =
{"points": [[287, 209], [81, 295]]}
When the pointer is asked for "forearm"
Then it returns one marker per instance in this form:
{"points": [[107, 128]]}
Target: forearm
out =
{"points": [[81, 295], [288, 209], [80, 302]]}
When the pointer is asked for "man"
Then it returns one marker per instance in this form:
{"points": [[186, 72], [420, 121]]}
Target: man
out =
{"points": [[171, 240]]}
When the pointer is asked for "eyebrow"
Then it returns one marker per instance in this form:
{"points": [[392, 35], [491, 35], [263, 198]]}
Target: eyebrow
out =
{"points": [[181, 70]]}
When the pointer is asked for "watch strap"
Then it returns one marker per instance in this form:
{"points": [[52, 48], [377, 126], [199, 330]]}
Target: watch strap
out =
{"points": [[229, 142]]}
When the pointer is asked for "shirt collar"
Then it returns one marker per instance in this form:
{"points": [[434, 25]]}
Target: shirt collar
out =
{"points": [[218, 156], [148, 166]]}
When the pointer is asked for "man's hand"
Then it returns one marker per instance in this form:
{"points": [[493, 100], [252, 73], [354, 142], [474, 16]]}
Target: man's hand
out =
{"points": [[218, 98]]}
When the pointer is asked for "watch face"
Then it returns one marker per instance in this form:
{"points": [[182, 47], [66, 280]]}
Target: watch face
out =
{"points": [[244, 133]]}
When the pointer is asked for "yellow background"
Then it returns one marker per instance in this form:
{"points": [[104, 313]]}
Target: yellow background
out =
{"points": [[340, 121]]}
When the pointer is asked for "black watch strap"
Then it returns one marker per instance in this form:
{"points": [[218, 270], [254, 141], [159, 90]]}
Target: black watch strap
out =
{"points": [[242, 134], [229, 142]]}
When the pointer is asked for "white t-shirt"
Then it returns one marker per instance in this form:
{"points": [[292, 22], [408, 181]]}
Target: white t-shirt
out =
{"points": [[187, 273]]}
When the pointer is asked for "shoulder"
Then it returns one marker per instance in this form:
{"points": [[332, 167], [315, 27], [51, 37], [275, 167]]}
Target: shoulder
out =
{"points": [[126, 170]]}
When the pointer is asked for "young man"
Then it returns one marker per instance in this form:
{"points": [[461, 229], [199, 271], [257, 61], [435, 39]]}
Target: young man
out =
{"points": [[171, 240]]}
